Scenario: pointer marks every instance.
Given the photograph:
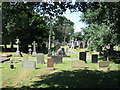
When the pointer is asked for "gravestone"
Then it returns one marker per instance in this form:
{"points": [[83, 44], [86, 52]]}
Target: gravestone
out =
{"points": [[82, 56], [28, 64], [94, 58], [25, 58], [50, 63], [2, 60], [40, 58], [6, 55], [34, 53], [29, 51], [18, 53], [78, 64], [57, 59], [104, 63]]}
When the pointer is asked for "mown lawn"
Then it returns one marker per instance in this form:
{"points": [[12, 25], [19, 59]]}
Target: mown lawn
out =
{"points": [[62, 77]]}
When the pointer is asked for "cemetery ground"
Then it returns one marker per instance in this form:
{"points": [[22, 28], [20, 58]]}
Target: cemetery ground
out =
{"points": [[62, 77]]}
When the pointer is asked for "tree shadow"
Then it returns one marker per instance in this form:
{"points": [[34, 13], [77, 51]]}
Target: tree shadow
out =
{"points": [[77, 79], [80, 79]]}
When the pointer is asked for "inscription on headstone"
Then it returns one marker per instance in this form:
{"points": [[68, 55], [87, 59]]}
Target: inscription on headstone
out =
{"points": [[40, 58]]}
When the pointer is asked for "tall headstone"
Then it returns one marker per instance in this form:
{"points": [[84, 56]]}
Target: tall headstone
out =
{"points": [[94, 58], [40, 58], [57, 59], [18, 53], [28, 64], [50, 64], [82, 56], [34, 53]]}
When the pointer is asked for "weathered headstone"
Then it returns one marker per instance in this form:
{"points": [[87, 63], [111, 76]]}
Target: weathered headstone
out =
{"points": [[29, 51], [78, 64], [50, 64], [2, 60], [104, 63], [28, 64], [94, 58], [57, 59], [18, 53], [82, 56], [40, 58], [34, 53]]}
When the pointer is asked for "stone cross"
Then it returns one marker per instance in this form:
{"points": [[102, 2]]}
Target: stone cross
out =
{"points": [[18, 54], [34, 53]]}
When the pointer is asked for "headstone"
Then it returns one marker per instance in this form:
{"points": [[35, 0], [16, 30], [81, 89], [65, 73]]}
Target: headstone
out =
{"points": [[6, 55], [57, 59], [40, 58], [78, 64], [29, 51], [28, 64], [25, 58], [34, 53], [82, 56], [2, 60], [50, 63], [104, 63], [94, 58], [18, 53]]}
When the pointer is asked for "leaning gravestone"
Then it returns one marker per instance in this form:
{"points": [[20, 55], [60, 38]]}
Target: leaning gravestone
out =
{"points": [[40, 58], [94, 58], [104, 63], [82, 56], [50, 64], [28, 64], [57, 59], [78, 64]]}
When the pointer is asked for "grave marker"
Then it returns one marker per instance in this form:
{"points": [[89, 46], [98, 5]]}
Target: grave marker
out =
{"points": [[82, 56], [34, 53], [94, 58], [104, 63], [57, 59], [78, 64], [40, 58], [50, 64]]}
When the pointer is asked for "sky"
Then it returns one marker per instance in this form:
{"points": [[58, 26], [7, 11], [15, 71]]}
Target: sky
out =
{"points": [[75, 18]]}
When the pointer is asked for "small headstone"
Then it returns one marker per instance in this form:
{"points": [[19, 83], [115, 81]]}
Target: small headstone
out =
{"points": [[6, 55], [28, 64], [78, 64], [104, 63], [40, 58], [2, 60], [29, 51], [50, 64], [57, 59], [94, 58], [82, 56]]}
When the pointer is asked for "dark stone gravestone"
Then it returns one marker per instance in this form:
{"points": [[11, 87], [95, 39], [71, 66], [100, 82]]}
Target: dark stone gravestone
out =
{"points": [[28, 64], [50, 64], [57, 59], [94, 58], [82, 56]]}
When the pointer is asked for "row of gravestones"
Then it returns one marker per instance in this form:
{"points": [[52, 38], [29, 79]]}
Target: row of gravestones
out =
{"points": [[82, 56], [31, 64]]}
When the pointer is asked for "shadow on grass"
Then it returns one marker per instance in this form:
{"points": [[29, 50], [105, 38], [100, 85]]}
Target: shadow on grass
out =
{"points": [[78, 79]]}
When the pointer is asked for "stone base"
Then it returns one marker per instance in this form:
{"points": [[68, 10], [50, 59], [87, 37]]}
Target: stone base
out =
{"points": [[34, 54], [17, 54], [50, 68]]}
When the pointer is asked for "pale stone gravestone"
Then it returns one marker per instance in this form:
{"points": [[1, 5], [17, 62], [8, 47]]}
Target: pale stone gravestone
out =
{"points": [[18, 53], [50, 64], [57, 59], [104, 63], [6, 55], [40, 58], [28, 64], [2, 60], [34, 53], [29, 51], [94, 58], [82, 56], [78, 64]]}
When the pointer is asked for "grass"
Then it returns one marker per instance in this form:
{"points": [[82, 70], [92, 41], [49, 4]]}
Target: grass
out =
{"points": [[62, 77]]}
